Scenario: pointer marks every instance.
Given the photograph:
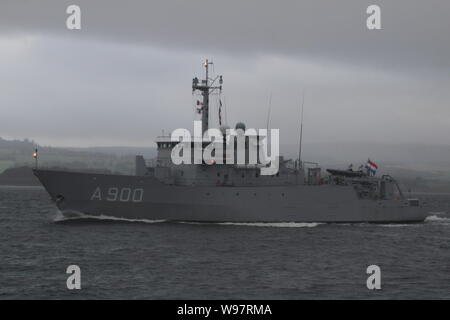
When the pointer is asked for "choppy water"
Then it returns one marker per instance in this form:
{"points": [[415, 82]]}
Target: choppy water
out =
{"points": [[161, 260]]}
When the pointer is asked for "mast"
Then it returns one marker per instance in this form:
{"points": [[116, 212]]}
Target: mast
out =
{"points": [[205, 93], [300, 165], [206, 88]]}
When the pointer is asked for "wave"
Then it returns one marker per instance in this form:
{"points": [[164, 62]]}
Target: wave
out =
{"points": [[274, 224], [395, 225], [76, 215], [375, 224], [61, 217], [436, 218]]}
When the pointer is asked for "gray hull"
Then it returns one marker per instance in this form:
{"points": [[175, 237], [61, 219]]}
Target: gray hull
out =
{"points": [[141, 197]]}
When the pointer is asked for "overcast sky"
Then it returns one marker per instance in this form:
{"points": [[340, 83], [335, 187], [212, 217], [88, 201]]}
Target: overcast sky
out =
{"points": [[126, 75]]}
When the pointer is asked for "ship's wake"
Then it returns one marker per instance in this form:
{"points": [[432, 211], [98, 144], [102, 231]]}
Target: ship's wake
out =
{"points": [[66, 216], [77, 216], [273, 224], [438, 218], [260, 224]]}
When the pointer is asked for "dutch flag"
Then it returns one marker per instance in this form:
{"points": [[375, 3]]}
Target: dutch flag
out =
{"points": [[371, 167]]}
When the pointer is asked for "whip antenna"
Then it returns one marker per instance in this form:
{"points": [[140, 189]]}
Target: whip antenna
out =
{"points": [[300, 165], [268, 112]]}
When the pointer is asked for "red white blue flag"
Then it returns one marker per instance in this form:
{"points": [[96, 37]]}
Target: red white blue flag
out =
{"points": [[371, 167]]}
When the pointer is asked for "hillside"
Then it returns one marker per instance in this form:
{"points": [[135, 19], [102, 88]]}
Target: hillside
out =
{"points": [[18, 153]]}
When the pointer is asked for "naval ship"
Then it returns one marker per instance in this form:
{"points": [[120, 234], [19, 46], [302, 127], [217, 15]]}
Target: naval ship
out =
{"points": [[212, 192]]}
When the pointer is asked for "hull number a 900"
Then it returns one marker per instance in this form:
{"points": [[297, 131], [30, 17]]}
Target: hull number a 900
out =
{"points": [[119, 194]]}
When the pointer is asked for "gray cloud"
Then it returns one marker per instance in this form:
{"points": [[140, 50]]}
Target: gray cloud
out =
{"points": [[126, 75], [414, 35]]}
